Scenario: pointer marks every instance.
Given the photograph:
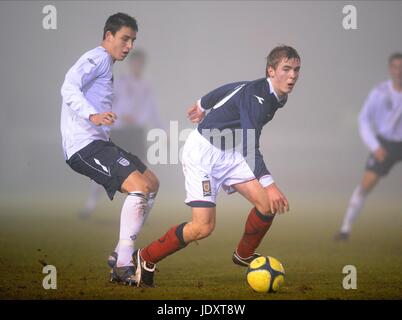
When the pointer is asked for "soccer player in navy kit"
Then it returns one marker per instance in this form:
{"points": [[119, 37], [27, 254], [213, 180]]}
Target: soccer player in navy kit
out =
{"points": [[380, 124], [86, 118], [211, 159]]}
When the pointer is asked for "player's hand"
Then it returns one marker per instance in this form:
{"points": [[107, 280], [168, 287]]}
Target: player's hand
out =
{"points": [[380, 154], [277, 200], [105, 118], [195, 114]]}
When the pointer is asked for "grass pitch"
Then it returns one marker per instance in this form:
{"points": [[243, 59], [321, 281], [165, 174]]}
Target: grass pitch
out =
{"points": [[32, 236]]}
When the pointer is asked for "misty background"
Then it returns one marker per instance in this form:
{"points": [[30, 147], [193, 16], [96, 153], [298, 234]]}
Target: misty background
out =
{"points": [[312, 147]]}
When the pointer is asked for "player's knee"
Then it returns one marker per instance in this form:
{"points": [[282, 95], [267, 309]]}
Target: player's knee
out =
{"points": [[366, 188], [153, 181], [133, 184], [202, 231], [263, 207]]}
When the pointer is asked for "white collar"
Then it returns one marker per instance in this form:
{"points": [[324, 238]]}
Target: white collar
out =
{"points": [[271, 89]]}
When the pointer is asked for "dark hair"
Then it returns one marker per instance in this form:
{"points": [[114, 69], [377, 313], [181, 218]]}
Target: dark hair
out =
{"points": [[115, 22], [278, 53], [394, 56]]}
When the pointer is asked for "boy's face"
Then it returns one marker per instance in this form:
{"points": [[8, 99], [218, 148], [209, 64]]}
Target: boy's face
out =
{"points": [[395, 70], [285, 75], [121, 43]]}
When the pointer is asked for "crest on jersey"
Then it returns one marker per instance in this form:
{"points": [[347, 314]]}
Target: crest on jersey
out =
{"points": [[206, 188], [123, 161]]}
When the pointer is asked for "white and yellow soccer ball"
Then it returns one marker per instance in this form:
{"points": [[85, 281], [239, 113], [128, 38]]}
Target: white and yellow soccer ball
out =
{"points": [[265, 274]]}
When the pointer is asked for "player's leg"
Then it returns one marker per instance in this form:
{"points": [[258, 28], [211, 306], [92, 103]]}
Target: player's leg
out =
{"points": [[154, 187], [258, 222], [200, 196], [127, 176], [132, 215], [375, 170], [356, 202], [254, 192], [117, 170], [148, 182], [201, 226], [176, 238]]}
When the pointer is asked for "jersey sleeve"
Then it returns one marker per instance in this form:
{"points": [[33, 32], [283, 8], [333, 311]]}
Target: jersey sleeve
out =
{"points": [[83, 72], [212, 98], [366, 121]]}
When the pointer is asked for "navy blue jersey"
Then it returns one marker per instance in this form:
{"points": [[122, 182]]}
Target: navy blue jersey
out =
{"points": [[240, 105]]}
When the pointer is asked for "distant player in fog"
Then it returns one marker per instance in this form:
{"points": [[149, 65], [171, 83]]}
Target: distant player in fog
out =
{"points": [[380, 124]]}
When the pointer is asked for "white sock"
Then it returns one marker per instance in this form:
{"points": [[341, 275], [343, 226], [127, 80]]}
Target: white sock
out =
{"points": [[150, 204], [355, 206], [95, 192], [132, 217]]}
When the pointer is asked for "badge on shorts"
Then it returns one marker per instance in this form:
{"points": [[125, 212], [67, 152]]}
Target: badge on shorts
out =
{"points": [[206, 188], [123, 161]]}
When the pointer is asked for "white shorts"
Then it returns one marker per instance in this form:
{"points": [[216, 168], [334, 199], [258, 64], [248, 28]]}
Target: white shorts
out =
{"points": [[206, 169]]}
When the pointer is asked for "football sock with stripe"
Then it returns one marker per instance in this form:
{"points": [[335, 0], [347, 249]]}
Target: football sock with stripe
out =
{"points": [[131, 220], [150, 204], [171, 242], [256, 227]]}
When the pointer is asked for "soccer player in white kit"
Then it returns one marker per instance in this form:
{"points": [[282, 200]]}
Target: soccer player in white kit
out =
{"points": [[237, 112], [380, 124], [135, 105], [86, 118]]}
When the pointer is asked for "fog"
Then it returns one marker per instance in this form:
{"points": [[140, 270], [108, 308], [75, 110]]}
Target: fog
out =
{"points": [[312, 146]]}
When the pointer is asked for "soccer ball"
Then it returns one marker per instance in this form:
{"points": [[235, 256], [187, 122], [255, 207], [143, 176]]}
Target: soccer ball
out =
{"points": [[265, 274]]}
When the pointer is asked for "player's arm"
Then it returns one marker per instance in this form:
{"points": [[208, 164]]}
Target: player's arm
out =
{"points": [[367, 133], [196, 112], [278, 202], [72, 91], [251, 120]]}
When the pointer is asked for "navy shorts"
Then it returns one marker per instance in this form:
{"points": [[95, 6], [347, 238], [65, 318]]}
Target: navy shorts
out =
{"points": [[394, 150], [106, 163]]}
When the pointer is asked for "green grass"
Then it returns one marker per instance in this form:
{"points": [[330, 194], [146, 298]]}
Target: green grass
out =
{"points": [[301, 240]]}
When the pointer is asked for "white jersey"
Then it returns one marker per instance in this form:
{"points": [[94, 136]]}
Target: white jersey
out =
{"points": [[381, 115], [87, 89]]}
